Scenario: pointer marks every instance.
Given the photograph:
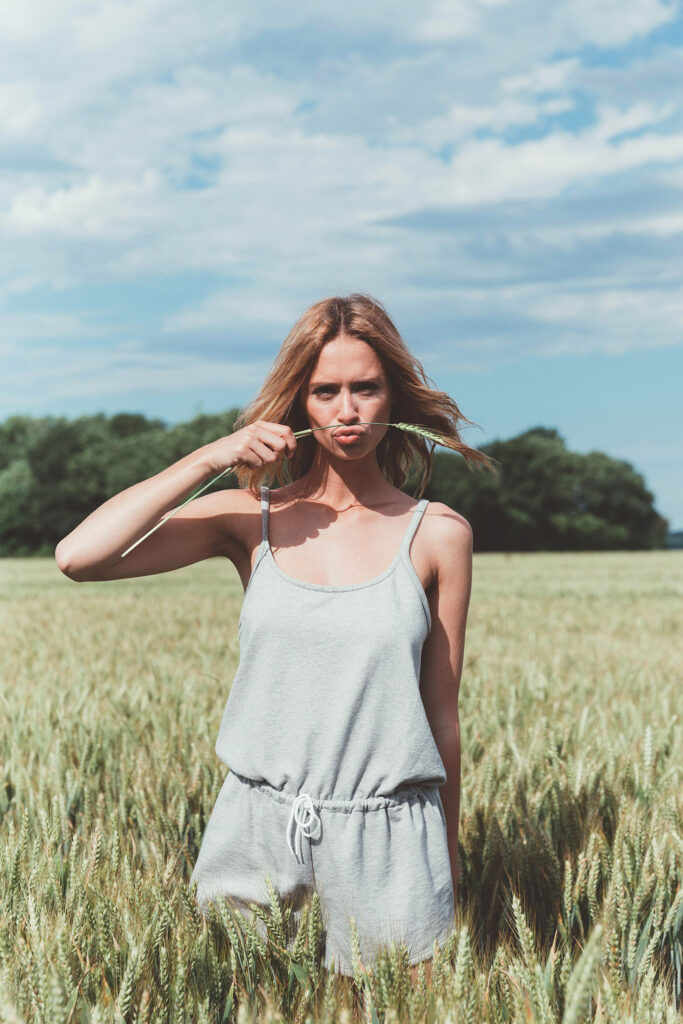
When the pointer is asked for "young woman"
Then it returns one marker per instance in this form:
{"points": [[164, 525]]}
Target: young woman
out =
{"points": [[341, 729]]}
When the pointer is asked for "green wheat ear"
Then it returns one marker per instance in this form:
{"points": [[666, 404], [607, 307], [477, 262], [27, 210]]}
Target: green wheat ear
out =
{"points": [[412, 428], [431, 435]]}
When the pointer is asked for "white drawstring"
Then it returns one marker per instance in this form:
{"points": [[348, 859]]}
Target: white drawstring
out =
{"points": [[304, 816]]}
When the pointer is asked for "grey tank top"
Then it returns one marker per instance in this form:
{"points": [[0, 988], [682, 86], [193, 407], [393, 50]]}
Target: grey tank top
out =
{"points": [[326, 696]]}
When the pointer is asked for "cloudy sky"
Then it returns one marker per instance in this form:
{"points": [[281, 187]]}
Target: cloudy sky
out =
{"points": [[180, 181]]}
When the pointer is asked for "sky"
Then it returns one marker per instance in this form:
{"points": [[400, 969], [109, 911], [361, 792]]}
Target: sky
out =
{"points": [[179, 182]]}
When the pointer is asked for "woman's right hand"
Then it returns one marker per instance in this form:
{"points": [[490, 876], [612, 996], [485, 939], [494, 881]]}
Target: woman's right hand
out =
{"points": [[255, 445], [94, 549]]}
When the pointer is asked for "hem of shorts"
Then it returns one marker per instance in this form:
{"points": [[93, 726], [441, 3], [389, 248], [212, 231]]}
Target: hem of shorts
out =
{"points": [[415, 958]]}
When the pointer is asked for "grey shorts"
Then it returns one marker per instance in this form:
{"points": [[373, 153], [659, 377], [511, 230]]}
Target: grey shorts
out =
{"points": [[381, 860]]}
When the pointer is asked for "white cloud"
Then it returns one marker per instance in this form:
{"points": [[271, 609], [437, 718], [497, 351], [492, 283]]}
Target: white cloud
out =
{"points": [[125, 368], [543, 77], [224, 308], [450, 19], [269, 153], [95, 207], [24, 327], [461, 121], [603, 22], [622, 320], [634, 226], [488, 170], [608, 23], [156, 138], [20, 108], [613, 121]]}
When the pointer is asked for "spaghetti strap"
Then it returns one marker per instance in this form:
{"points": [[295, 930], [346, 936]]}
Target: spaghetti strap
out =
{"points": [[265, 509], [418, 511]]}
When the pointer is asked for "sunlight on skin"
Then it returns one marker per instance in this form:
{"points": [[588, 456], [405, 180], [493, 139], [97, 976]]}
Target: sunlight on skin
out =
{"points": [[349, 385]]}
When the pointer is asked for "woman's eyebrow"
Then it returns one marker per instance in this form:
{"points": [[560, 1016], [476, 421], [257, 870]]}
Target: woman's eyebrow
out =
{"points": [[333, 384]]}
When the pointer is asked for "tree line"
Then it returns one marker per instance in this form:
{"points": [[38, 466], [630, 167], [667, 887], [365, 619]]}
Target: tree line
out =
{"points": [[55, 471]]}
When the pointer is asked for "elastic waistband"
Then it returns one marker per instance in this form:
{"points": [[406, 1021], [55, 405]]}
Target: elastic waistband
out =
{"points": [[369, 803]]}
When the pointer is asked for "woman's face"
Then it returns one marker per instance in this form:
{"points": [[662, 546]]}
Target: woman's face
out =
{"points": [[347, 386]]}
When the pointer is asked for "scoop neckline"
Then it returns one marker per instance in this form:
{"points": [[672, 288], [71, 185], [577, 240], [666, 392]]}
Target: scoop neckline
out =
{"points": [[332, 586], [345, 586]]}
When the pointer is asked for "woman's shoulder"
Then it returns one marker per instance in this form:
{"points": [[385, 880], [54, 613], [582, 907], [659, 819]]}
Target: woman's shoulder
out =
{"points": [[447, 539], [237, 511], [446, 525], [280, 496]]}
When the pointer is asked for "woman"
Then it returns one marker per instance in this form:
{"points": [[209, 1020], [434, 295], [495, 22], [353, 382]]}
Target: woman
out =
{"points": [[341, 729]]}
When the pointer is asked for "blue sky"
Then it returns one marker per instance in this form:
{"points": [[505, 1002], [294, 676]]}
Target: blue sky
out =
{"points": [[179, 182]]}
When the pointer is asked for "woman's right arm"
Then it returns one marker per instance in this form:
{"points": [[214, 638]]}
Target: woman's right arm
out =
{"points": [[92, 551]]}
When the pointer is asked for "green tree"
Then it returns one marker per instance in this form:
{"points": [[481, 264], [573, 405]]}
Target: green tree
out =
{"points": [[55, 471], [547, 498]]}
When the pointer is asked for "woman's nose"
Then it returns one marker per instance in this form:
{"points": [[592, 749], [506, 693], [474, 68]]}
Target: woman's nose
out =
{"points": [[347, 405]]}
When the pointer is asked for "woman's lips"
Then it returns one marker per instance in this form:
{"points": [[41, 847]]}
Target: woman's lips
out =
{"points": [[346, 436]]}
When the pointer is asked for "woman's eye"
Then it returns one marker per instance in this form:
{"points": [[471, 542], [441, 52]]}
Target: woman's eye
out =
{"points": [[326, 391]]}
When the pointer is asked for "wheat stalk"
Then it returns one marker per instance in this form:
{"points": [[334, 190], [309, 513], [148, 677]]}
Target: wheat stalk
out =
{"points": [[413, 428]]}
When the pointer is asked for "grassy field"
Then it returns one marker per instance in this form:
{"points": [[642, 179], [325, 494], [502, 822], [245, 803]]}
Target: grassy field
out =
{"points": [[570, 904]]}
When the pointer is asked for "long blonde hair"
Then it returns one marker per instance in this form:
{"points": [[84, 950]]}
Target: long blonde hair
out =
{"points": [[279, 399]]}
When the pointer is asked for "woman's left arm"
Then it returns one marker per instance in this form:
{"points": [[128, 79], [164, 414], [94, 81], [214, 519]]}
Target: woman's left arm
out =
{"points": [[443, 654]]}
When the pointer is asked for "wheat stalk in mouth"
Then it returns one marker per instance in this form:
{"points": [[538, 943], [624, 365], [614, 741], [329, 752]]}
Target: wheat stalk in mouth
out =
{"points": [[412, 428]]}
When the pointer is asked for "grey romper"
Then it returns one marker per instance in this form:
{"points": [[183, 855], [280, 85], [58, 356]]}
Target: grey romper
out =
{"points": [[334, 772]]}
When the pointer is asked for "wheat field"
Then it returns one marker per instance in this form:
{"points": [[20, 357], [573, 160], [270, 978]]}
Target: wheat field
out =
{"points": [[570, 903]]}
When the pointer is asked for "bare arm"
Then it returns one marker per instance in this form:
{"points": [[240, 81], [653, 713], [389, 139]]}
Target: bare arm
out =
{"points": [[92, 551], [443, 655], [99, 541]]}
